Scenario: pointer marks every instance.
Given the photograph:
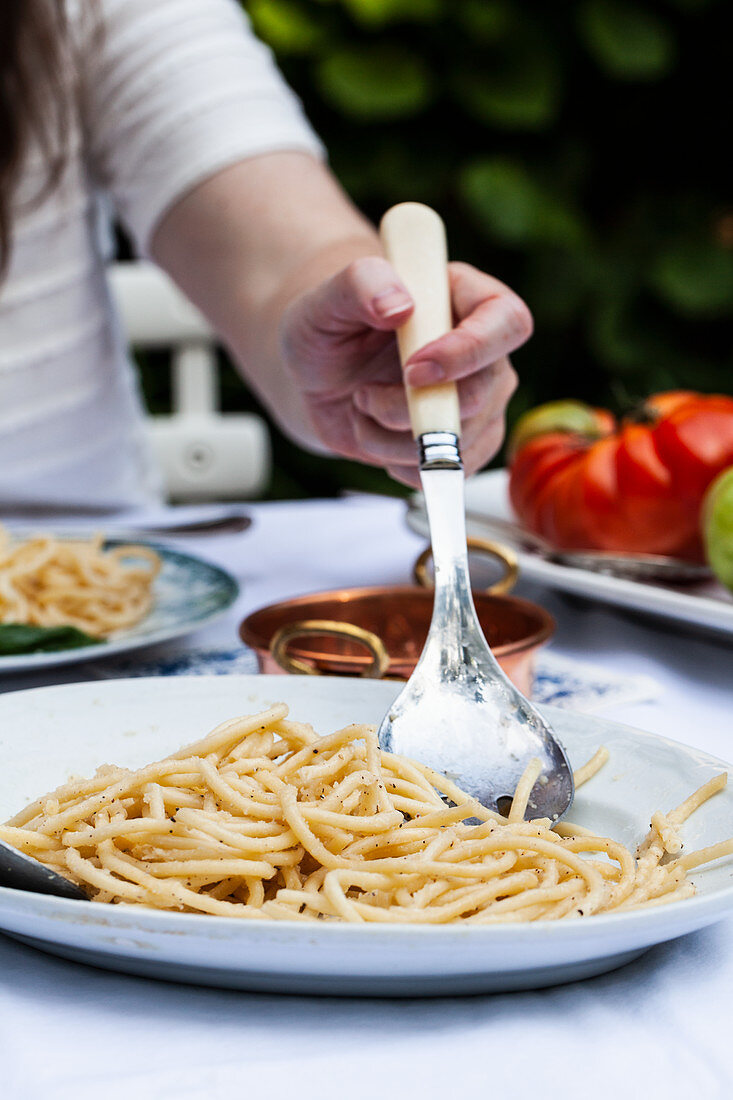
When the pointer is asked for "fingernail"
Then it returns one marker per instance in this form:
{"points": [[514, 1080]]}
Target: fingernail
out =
{"points": [[425, 373], [391, 302]]}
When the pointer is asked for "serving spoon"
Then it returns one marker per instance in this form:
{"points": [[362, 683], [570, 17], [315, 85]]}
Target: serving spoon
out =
{"points": [[22, 872], [458, 713]]}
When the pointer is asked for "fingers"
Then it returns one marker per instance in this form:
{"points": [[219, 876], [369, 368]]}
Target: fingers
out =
{"points": [[470, 287], [484, 393], [406, 475], [481, 442], [339, 338], [383, 447], [367, 293], [383, 438], [386, 404], [493, 321]]}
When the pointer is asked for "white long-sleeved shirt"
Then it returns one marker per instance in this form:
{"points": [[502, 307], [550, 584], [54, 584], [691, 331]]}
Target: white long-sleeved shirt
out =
{"points": [[169, 92]]}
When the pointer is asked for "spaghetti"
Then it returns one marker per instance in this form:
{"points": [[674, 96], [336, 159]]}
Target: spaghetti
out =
{"points": [[264, 819], [48, 581]]}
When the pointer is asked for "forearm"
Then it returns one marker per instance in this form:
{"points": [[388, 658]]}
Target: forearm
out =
{"points": [[257, 348], [255, 253]]}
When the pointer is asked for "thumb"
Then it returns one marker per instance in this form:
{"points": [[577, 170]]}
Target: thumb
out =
{"points": [[366, 293]]}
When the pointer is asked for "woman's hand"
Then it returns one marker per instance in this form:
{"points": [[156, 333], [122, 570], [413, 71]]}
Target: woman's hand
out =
{"points": [[289, 274], [339, 348]]}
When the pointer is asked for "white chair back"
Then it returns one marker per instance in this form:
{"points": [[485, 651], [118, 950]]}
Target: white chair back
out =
{"points": [[204, 454]]}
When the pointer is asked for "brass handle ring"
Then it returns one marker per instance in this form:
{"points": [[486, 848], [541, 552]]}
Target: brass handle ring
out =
{"points": [[495, 550], [329, 628]]}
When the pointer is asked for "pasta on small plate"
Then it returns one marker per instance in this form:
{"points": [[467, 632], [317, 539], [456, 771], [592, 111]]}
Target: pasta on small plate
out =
{"points": [[112, 595]]}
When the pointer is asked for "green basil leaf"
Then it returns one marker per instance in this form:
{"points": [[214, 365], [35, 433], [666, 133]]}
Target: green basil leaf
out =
{"points": [[20, 638]]}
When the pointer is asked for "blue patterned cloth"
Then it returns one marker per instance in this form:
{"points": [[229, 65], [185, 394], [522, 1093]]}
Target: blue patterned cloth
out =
{"points": [[559, 681]]}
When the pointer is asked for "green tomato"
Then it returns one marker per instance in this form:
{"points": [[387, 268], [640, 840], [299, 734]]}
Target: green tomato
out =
{"points": [[554, 416], [717, 527]]}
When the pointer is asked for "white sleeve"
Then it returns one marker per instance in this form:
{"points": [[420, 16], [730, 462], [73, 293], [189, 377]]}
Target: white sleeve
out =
{"points": [[174, 91]]}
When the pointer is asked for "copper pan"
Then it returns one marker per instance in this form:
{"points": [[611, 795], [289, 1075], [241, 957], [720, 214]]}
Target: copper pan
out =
{"points": [[380, 632]]}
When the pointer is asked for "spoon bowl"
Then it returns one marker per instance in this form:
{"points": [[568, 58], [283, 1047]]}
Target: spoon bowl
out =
{"points": [[22, 872]]}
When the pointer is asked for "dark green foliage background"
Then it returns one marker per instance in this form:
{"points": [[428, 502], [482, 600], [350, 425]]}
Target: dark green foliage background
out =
{"points": [[576, 148]]}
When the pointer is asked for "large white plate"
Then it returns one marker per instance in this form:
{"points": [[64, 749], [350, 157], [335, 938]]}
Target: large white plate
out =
{"points": [[48, 733], [707, 604], [189, 592]]}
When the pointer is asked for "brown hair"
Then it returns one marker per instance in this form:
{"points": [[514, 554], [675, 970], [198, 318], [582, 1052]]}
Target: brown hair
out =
{"points": [[33, 103]]}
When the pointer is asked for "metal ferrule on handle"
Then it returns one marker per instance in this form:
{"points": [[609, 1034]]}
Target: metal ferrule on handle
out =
{"points": [[439, 451]]}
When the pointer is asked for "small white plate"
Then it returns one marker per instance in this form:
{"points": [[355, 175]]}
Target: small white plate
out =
{"points": [[707, 604], [49, 733], [189, 593]]}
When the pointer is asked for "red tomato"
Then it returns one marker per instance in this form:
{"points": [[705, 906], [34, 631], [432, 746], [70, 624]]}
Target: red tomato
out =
{"points": [[538, 461], [639, 488]]}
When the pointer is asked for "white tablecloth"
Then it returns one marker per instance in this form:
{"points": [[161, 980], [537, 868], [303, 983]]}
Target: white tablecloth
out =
{"points": [[658, 1027]]}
